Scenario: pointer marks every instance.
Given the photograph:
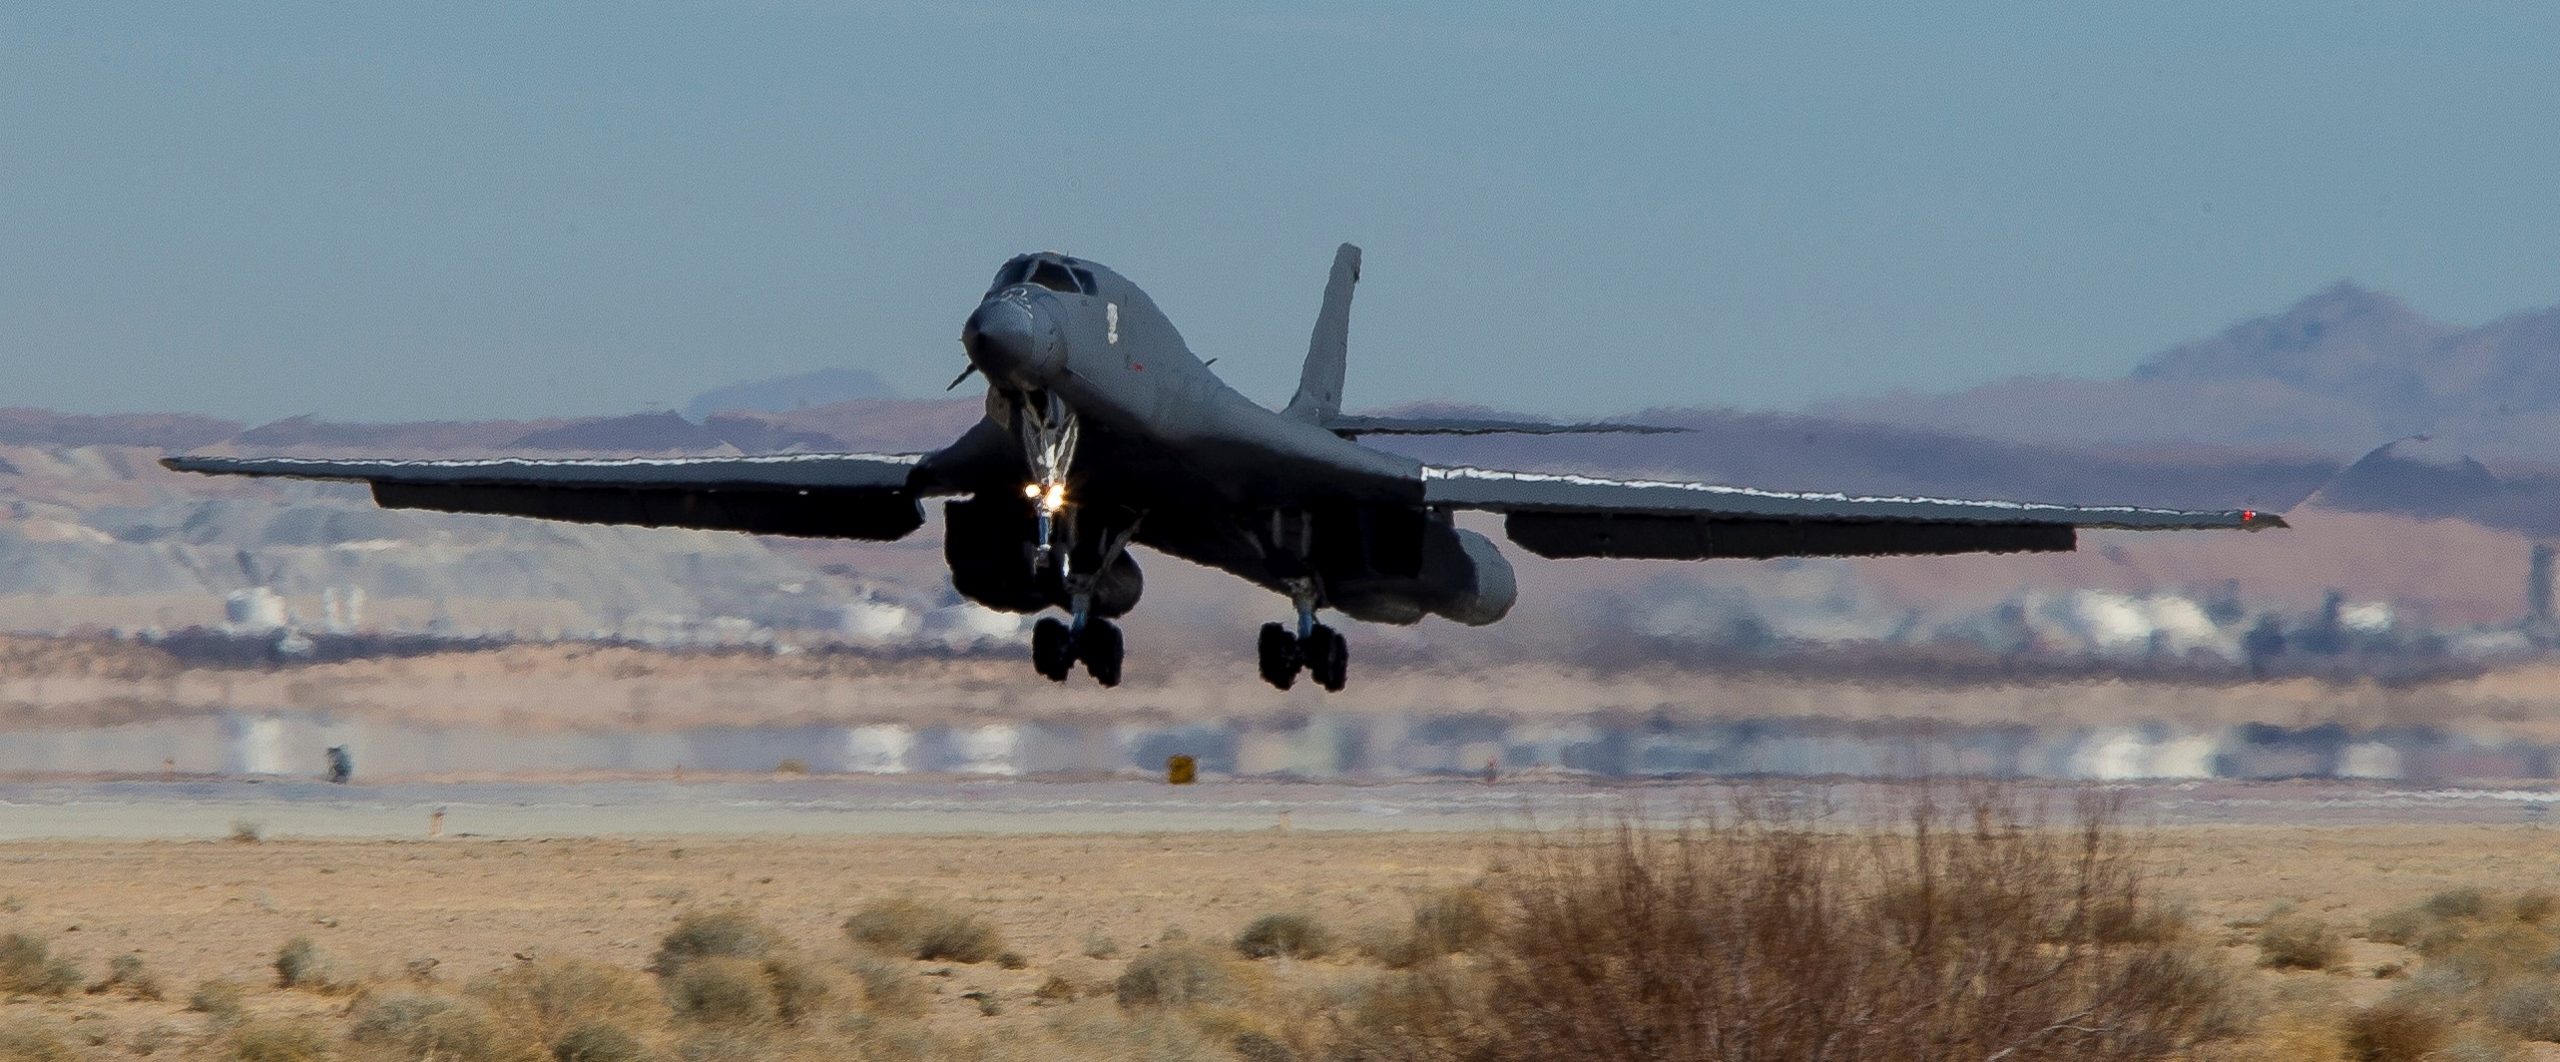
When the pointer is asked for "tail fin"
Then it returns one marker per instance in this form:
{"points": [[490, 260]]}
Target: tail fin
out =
{"points": [[1319, 396]]}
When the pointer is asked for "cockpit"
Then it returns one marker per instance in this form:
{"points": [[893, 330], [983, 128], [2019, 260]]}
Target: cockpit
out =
{"points": [[1047, 271]]}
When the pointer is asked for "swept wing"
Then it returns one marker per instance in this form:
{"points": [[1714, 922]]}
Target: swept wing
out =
{"points": [[864, 496], [1349, 426], [1560, 515]]}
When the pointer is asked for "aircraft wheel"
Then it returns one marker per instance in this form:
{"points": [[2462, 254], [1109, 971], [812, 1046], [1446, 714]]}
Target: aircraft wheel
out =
{"points": [[1328, 656], [1053, 651], [1280, 659], [1100, 647], [1336, 652]]}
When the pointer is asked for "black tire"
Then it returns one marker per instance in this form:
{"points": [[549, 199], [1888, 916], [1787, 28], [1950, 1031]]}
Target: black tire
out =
{"points": [[1280, 661], [1052, 649], [1337, 663], [1317, 650], [1100, 647]]}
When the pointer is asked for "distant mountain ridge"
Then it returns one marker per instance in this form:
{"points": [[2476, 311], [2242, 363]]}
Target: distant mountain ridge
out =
{"points": [[2343, 370], [2344, 341], [782, 394]]}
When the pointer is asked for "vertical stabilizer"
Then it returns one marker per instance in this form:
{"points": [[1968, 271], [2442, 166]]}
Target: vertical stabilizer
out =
{"points": [[1319, 396]]}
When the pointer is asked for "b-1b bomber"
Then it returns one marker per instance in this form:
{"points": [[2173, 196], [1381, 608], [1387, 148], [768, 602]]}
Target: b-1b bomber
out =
{"points": [[1103, 431]]}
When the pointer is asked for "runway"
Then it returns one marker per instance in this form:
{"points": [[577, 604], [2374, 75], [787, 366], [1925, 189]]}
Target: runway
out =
{"points": [[856, 806]]}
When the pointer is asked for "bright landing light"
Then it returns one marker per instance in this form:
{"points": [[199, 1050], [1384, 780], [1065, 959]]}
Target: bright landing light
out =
{"points": [[1050, 497]]}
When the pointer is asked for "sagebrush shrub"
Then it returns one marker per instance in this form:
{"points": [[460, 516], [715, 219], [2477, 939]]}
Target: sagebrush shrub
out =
{"points": [[597, 1042], [28, 965], [920, 930], [426, 1027], [722, 991], [219, 999], [1174, 975], [1294, 936], [2299, 942], [278, 1041], [128, 975], [1973, 928], [2400, 1028], [721, 933], [299, 964], [551, 995]]}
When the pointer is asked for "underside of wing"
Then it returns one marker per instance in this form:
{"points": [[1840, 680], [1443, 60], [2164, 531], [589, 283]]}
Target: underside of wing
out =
{"points": [[861, 496], [1350, 426], [1584, 516]]}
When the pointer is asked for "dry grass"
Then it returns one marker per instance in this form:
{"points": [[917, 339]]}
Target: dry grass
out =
{"points": [[26, 1040], [1293, 936], [277, 1041], [2486, 979], [412, 1026], [888, 988], [1976, 925], [129, 977], [2299, 942], [722, 991], [552, 998], [1445, 922], [597, 1043], [219, 1000], [719, 933], [28, 966], [1978, 929], [2399, 1029], [920, 930], [301, 964], [1176, 974]]}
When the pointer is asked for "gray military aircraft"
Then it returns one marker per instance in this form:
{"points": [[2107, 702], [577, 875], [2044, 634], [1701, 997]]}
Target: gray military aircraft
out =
{"points": [[1103, 430]]}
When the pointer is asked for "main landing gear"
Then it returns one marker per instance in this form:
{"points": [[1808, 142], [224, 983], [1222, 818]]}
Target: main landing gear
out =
{"points": [[1319, 650], [1057, 647]]}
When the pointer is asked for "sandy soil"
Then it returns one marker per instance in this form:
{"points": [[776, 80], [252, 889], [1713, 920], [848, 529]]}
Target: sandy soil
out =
{"points": [[203, 909]]}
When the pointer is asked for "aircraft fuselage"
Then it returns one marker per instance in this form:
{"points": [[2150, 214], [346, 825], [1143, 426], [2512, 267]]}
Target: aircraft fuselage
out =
{"points": [[1167, 452]]}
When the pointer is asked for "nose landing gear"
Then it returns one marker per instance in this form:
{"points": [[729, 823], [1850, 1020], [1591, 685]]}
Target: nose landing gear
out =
{"points": [[1073, 546]]}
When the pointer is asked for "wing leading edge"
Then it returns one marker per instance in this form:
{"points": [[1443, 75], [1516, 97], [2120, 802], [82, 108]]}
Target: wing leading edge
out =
{"points": [[1585, 516], [861, 496]]}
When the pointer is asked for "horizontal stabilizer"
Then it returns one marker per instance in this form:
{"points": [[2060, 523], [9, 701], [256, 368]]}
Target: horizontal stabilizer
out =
{"points": [[1349, 426]]}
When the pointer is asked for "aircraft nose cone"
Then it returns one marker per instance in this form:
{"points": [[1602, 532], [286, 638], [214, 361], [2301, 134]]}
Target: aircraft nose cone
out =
{"points": [[1007, 341]]}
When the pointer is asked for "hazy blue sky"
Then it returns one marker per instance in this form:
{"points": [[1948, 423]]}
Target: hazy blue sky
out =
{"points": [[461, 210]]}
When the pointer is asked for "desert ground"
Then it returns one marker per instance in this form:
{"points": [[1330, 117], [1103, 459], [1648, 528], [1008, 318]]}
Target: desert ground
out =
{"points": [[1075, 910]]}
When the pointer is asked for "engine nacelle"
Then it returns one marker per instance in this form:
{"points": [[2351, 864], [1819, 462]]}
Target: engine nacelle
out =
{"points": [[1475, 579], [1118, 590], [1457, 574], [987, 545]]}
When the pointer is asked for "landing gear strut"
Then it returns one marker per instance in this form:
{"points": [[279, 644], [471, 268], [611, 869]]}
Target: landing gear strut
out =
{"points": [[1322, 652], [1050, 431]]}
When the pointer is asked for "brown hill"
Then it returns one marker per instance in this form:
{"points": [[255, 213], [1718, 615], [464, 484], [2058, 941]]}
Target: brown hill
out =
{"points": [[2340, 371]]}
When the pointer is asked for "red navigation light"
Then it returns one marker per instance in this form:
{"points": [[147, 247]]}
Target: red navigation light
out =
{"points": [[2248, 516]]}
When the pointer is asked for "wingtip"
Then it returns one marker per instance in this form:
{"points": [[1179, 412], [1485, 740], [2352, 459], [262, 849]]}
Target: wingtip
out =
{"points": [[2254, 520]]}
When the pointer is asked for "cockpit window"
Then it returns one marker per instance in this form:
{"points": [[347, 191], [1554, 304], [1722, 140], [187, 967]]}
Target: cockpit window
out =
{"points": [[1084, 279], [1011, 275], [1054, 277]]}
